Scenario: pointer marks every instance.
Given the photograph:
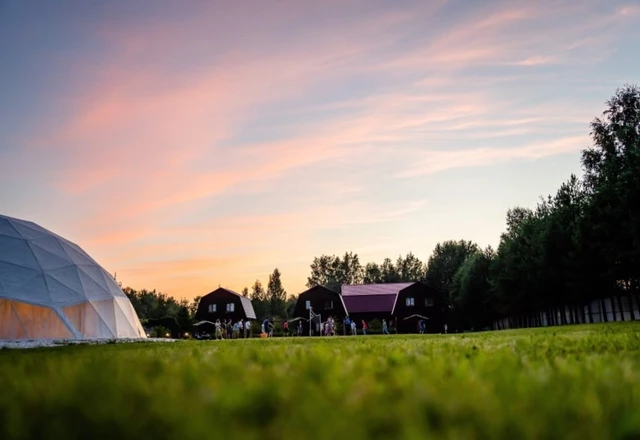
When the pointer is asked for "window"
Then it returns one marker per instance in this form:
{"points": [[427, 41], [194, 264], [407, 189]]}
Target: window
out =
{"points": [[307, 305], [410, 302], [231, 307], [428, 302], [328, 305], [213, 308]]}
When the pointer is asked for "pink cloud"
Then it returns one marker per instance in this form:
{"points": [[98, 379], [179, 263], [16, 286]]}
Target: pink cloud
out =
{"points": [[151, 138], [435, 161]]}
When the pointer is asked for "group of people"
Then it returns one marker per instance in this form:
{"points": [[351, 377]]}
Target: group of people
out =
{"points": [[267, 328], [350, 324], [227, 329], [328, 328]]}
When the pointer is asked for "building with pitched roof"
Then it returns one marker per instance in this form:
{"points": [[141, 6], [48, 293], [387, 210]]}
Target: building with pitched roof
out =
{"points": [[225, 304], [323, 301], [403, 305]]}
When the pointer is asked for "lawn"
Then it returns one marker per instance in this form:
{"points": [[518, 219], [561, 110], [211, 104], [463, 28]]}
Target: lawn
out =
{"points": [[579, 382]]}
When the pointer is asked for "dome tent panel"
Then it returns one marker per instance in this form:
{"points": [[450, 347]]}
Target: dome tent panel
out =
{"points": [[21, 283], [17, 252], [10, 326], [48, 255], [112, 286], [93, 290], [105, 309], [130, 314], [65, 286], [87, 321], [30, 231], [53, 245], [78, 257], [122, 321], [7, 229], [40, 322]]}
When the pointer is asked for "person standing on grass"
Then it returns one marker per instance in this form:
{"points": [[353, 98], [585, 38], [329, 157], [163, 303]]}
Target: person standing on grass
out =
{"points": [[422, 325], [385, 328], [354, 330], [271, 325], [445, 329], [300, 328], [218, 329], [347, 324], [285, 328], [364, 327]]}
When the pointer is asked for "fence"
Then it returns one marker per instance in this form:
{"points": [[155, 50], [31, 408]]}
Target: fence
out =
{"points": [[612, 309]]}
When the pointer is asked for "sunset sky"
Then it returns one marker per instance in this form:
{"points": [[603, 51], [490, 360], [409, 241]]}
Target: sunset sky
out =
{"points": [[189, 144]]}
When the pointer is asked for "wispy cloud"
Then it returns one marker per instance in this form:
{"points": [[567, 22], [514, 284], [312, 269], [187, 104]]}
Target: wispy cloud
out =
{"points": [[435, 161], [223, 141]]}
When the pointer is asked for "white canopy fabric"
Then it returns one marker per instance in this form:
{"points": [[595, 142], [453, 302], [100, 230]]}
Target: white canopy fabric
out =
{"points": [[51, 289]]}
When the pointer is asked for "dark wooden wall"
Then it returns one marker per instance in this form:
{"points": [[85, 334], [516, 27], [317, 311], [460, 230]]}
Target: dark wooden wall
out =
{"points": [[221, 298], [319, 296]]}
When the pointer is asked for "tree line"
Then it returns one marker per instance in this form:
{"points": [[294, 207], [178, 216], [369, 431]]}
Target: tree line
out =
{"points": [[578, 245]]}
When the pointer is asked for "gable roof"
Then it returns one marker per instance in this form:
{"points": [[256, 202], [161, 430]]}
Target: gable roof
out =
{"points": [[369, 303], [247, 306], [365, 298], [373, 289], [344, 307]]}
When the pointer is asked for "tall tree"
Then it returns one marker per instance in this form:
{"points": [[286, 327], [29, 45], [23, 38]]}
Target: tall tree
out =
{"points": [[259, 300], [276, 295], [612, 178], [445, 262], [323, 273], [372, 274], [471, 290], [193, 306], [389, 271], [410, 268], [332, 271]]}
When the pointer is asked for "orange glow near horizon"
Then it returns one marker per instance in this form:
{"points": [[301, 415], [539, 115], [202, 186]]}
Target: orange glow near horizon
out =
{"points": [[186, 148]]}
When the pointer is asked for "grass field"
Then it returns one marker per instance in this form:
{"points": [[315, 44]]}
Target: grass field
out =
{"points": [[580, 382]]}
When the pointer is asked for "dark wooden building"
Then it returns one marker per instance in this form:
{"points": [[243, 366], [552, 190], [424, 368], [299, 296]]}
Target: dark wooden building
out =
{"points": [[403, 305], [324, 301], [225, 304]]}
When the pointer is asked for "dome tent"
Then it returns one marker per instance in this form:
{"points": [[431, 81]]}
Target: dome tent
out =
{"points": [[51, 289]]}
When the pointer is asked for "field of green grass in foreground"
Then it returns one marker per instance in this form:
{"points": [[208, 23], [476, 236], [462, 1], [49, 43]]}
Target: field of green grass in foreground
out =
{"points": [[579, 382]]}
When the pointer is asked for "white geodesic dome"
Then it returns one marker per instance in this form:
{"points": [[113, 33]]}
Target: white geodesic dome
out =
{"points": [[51, 289]]}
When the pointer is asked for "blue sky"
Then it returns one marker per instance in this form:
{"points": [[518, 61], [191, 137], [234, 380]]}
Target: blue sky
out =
{"points": [[186, 145]]}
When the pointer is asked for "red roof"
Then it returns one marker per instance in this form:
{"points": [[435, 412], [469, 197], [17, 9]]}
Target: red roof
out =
{"points": [[364, 298], [374, 289], [369, 303]]}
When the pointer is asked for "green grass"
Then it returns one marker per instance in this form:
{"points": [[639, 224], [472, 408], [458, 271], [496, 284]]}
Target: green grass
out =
{"points": [[579, 382]]}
